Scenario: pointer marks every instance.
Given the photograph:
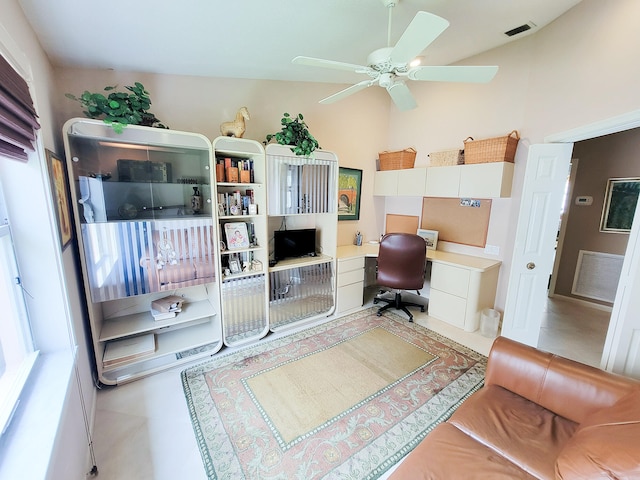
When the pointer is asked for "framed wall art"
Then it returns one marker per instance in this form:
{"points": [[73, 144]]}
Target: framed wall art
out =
{"points": [[430, 238], [349, 192], [61, 201], [621, 197]]}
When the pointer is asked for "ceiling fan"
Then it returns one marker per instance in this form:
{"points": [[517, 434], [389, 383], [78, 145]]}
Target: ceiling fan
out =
{"points": [[389, 67]]}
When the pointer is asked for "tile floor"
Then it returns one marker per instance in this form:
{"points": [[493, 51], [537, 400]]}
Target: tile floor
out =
{"points": [[142, 429]]}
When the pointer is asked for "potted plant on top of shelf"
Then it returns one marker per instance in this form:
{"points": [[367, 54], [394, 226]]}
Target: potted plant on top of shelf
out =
{"points": [[295, 132], [119, 109]]}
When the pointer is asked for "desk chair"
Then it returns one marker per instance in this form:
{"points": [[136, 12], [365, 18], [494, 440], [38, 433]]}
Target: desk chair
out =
{"points": [[401, 262]]}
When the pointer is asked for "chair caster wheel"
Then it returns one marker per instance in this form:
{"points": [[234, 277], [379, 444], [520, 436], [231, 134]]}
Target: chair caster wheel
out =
{"points": [[379, 314], [375, 300], [422, 309], [410, 319]]}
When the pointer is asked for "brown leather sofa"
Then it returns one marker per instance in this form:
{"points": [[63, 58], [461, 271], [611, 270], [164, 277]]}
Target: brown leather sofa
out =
{"points": [[539, 416]]}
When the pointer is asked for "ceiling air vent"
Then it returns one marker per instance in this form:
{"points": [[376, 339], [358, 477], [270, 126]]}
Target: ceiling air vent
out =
{"points": [[520, 29]]}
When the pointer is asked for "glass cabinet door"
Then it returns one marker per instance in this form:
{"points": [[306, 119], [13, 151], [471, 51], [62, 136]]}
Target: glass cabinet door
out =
{"points": [[118, 181]]}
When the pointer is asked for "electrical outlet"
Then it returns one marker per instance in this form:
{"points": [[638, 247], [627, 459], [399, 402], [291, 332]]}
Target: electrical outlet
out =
{"points": [[492, 250]]}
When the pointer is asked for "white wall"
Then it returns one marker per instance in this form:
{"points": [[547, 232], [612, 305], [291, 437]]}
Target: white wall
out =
{"points": [[51, 296], [577, 70]]}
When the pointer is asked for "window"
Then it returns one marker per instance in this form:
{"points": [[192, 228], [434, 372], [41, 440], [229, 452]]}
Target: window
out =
{"points": [[17, 353]]}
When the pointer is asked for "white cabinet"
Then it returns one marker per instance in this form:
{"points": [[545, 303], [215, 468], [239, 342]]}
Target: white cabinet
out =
{"points": [[303, 195], [406, 182], [385, 183], [143, 211], [443, 181], [459, 292], [486, 180], [350, 284], [241, 200], [482, 180]]}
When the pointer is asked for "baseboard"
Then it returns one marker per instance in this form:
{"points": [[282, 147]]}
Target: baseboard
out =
{"points": [[584, 303]]}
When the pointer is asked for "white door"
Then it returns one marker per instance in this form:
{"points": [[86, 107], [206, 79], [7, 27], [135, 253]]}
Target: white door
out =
{"points": [[545, 177], [621, 352]]}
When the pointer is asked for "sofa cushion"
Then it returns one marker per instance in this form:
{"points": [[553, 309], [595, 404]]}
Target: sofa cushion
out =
{"points": [[447, 453], [606, 444], [525, 433]]}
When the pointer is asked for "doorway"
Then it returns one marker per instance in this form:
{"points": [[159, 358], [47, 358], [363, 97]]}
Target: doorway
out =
{"points": [[621, 352], [595, 162]]}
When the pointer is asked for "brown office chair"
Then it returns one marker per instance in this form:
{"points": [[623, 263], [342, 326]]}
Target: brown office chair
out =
{"points": [[401, 262]]}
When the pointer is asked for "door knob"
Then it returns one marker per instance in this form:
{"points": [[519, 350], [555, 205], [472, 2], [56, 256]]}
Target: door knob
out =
{"points": [[531, 265]]}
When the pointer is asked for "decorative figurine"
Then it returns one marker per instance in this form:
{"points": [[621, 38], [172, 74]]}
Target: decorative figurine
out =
{"points": [[236, 127]]}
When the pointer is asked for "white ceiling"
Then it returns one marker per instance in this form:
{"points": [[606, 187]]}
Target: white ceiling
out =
{"points": [[258, 38]]}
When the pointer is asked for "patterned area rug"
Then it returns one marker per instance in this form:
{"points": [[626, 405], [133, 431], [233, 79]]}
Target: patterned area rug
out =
{"points": [[344, 400]]}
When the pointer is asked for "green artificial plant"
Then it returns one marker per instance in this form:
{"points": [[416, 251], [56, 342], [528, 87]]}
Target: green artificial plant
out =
{"points": [[295, 132], [119, 109]]}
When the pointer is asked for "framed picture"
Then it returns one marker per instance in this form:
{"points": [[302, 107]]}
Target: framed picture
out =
{"points": [[237, 235], [60, 192], [349, 192], [430, 237], [620, 202]]}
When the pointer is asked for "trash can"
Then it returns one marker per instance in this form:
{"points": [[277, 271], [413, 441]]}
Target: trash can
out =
{"points": [[489, 322]]}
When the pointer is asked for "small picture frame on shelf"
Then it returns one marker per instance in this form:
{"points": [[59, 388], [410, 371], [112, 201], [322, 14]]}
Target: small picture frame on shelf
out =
{"points": [[234, 264], [237, 235], [430, 238]]}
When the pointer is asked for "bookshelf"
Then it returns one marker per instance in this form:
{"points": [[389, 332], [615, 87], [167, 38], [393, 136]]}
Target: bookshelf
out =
{"points": [[241, 216]]}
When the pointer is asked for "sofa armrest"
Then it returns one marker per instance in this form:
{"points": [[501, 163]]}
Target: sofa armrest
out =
{"points": [[569, 389]]}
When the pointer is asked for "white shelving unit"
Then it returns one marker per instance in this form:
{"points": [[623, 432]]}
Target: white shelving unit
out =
{"points": [[244, 286], [303, 193], [145, 228]]}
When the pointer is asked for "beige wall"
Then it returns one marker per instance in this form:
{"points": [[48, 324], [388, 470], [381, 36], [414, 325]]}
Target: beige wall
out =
{"points": [[355, 129], [611, 156], [573, 72]]}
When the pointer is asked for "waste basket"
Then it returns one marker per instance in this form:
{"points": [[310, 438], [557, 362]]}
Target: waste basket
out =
{"points": [[489, 322]]}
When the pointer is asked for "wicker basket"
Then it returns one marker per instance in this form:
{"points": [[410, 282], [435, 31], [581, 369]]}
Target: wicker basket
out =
{"points": [[397, 160], [499, 149], [446, 158]]}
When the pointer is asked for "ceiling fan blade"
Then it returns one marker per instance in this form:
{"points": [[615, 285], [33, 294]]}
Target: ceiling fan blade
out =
{"points": [[401, 96], [347, 91], [423, 29], [319, 62], [475, 74]]}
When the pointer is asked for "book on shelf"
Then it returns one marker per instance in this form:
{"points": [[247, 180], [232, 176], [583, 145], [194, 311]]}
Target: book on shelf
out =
{"points": [[117, 352], [171, 303], [157, 316]]}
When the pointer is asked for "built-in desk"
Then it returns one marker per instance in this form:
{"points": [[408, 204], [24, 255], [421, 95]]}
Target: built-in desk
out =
{"points": [[461, 285]]}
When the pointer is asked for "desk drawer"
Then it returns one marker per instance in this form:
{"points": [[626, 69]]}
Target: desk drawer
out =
{"points": [[349, 297], [448, 308], [350, 264], [449, 279], [348, 278]]}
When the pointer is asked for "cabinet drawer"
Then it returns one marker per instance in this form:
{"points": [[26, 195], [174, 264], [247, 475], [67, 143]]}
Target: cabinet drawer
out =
{"points": [[453, 280], [348, 278], [349, 296], [351, 264], [447, 307]]}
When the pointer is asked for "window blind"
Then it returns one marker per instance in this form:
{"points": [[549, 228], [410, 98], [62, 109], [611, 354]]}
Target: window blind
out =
{"points": [[18, 117]]}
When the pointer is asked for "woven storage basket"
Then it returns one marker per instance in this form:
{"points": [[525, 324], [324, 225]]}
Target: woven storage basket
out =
{"points": [[499, 149], [397, 160], [446, 158]]}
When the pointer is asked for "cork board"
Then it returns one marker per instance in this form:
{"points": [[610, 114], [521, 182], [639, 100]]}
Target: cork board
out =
{"points": [[456, 223], [401, 224]]}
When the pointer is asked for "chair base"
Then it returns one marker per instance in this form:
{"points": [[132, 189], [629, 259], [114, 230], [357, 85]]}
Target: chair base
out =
{"points": [[398, 304]]}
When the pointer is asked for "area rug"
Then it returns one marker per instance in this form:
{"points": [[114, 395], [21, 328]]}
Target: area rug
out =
{"points": [[344, 400]]}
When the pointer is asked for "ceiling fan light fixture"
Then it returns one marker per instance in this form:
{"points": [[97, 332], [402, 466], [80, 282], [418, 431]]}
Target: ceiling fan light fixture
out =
{"points": [[416, 61]]}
